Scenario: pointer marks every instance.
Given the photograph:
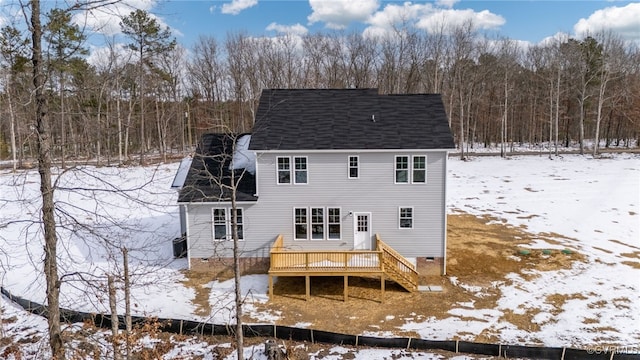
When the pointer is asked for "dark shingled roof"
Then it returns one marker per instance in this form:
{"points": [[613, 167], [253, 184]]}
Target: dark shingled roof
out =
{"points": [[349, 119], [209, 176]]}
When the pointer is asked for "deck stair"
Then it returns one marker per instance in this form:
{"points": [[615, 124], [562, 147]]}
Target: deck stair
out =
{"points": [[396, 267], [384, 262]]}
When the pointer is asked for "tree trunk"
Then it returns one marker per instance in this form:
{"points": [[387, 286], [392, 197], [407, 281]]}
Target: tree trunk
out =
{"points": [[127, 301], [236, 271], [12, 120], [46, 189], [114, 318]]}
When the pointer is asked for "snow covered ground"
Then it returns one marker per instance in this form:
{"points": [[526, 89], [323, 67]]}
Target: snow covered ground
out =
{"points": [[593, 205]]}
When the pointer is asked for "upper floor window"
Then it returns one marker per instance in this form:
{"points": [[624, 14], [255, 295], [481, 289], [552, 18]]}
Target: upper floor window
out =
{"points": [[410, 169], [223, 223], [285, 172], [300, 170], [402, 169], [419, 169], [353, 167]]}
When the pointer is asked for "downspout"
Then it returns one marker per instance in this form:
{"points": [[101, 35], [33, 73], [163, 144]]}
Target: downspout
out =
{"points": [[186, 222], [444, 213]]}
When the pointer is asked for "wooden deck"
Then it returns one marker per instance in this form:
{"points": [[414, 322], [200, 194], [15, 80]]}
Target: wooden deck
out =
{"points": [[383, 262]]}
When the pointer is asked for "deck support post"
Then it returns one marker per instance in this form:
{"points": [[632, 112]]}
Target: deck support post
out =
{"points": [[307, 285], [270, 287], [382, 280], [346, 287]]}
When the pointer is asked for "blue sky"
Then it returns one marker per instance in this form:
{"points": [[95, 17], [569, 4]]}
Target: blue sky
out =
{"points": [[530, 21]]}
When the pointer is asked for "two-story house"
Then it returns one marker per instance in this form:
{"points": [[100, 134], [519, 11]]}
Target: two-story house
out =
{"points": [[324, 170]]}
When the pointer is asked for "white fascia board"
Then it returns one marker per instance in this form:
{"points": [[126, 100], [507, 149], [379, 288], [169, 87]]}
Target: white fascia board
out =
{"points": [[352, 151], [217, 202]]}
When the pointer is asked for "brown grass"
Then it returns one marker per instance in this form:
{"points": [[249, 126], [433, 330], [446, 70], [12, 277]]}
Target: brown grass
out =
{"points": [[481, 252]]}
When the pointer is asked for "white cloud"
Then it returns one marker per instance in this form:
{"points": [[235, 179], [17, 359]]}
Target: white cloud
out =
{"points": [[446, 3], [236, 6], [427, 17], [624, 21], [484, 19], [106, 19], [338, 14], [296, 29], [556, 38]]}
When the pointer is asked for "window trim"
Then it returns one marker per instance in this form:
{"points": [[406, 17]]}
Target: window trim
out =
{"points": [[309, 223], [329, 223], [228, 213], [295, 223], [395, 169], [400, 217], [413, 169], [278, 170], [313, 223], [410, 169], [306, 170], [356, 167]]}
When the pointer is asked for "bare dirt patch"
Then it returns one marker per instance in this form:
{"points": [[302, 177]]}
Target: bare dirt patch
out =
{"points": [[197, 281], [481, 252]]}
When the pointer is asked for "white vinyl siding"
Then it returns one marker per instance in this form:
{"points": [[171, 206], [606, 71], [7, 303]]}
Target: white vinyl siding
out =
{"points": [[273, 215]]}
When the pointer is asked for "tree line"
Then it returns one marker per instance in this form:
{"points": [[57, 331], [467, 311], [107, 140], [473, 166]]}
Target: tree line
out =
{"points": [[155, 97]]}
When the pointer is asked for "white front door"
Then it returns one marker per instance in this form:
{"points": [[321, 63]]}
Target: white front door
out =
{"points": [[362, 231]]}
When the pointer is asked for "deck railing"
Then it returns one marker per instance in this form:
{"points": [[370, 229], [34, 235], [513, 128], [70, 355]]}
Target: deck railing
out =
{"points": [[382, 260], [325, 261]]}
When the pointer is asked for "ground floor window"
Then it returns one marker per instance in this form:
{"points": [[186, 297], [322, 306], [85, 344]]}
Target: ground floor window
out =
{"points": [[317, 223], [406, 218], [222, 223]]}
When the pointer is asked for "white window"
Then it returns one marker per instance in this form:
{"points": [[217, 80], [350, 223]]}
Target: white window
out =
{"points": [[318, 222], [284, 170], [419, 174], [410, 169], [402, 169], [300, 170], [301, 221], [222, 223], [334, 224], [406, 217], [354, 164]]}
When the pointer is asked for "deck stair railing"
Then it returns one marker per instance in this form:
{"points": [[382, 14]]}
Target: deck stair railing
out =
{"points": [[397, 267]]}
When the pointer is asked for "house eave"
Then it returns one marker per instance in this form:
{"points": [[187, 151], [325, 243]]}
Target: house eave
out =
{"points": [[351, 151]]}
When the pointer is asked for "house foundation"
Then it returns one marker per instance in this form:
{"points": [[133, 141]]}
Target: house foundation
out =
{"points": [[430, 266], [223, 267]]}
